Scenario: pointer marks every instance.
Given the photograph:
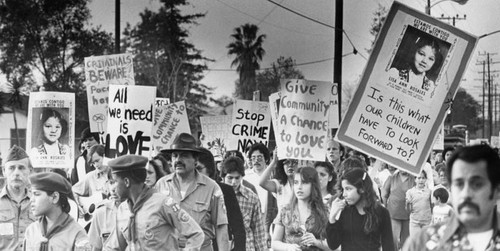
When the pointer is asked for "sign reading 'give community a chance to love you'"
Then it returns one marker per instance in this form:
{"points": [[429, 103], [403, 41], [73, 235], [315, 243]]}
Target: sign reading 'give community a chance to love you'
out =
{"points": [[406, 89], [303, 119]]}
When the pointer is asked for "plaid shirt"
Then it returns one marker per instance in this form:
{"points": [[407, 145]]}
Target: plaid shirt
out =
{"points": [[252, 218]]}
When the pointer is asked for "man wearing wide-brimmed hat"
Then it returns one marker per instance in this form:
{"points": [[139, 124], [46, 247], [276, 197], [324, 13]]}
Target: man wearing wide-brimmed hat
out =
{"points": [[15, 205], [199, 195]]}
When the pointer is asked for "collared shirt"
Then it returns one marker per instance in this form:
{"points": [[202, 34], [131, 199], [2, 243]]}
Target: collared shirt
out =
{"points": [[65, 239], [14, 219], [159, 224], [252, 219], [254, 179], [103, 224], [450, 236], [203, 200], [93, 183]]}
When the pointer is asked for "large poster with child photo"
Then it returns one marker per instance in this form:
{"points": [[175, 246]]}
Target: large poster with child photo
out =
{"points": [[407, 88], [51, 129]]}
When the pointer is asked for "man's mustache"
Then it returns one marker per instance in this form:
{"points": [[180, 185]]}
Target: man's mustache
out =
{"points": [[178, 163], [469, 204]]}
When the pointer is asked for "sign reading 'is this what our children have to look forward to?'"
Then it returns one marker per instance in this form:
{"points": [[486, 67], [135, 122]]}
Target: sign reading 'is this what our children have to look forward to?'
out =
{"points": [[403, 97], [130, 119]]}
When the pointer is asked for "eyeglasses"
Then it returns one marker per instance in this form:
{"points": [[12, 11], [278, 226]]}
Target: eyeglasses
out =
{"points": [[257, 157], [291, 162]]}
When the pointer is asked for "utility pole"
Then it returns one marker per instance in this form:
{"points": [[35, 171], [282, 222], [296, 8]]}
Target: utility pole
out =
{"points": [[453, 18], [487, 92], [337, 51], [117, 26]]}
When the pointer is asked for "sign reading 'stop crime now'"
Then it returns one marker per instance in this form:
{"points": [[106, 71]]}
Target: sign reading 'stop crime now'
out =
{"points": [[250, 124]]}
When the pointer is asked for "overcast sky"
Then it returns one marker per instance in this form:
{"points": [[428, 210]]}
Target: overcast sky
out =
{"points": [[293, 36]]}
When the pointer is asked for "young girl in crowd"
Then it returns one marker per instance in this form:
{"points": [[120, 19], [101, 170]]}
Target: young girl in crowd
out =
{"points": [[301, 224], [441, 211], [357, 220], [327, 181], [282, 184], [418, 203]]}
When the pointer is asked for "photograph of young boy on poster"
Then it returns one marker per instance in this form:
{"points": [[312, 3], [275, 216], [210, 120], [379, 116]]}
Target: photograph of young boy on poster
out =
{"points": [[417, 63], [50, 128]]}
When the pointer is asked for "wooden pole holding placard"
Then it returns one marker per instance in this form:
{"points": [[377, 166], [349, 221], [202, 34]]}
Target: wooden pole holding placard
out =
{"points": [[117, 26], [256, 96], [337, 51]]}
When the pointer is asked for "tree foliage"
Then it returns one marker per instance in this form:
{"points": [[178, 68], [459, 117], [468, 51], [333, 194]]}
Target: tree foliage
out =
{"points": [[248, 52], [378, 20], [164, 58], [465, 111], [49, 38], [268, 81]]}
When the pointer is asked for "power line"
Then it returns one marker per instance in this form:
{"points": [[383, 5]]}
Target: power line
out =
{"points": [[355, 51], [299, 64]]}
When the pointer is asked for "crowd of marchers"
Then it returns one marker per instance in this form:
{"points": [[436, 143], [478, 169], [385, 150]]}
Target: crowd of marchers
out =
{"points": [[186, 199]]}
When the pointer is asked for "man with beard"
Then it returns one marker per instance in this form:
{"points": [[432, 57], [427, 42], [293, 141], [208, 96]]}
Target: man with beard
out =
{"points": [[15, 210], [474, 180], [196, 193]]}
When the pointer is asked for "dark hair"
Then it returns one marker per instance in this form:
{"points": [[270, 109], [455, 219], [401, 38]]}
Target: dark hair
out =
{"points": [[164, 163], [207, 159], [99, 149], [51, 113], [261, 148], [232, 164], [351, 163], [441, 194], [424, 173], [137, 176], [62, 202], [476, 153], [447, 149], [158, 169], [330, 187], [235, 153], [360, 179], [87, 134], [425, 41], [279, 172], [318, 208]]}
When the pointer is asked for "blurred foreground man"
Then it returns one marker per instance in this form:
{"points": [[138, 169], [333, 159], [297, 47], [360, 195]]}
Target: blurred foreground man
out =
{"points": [[15, 210], [147, 220], [474, 177]]}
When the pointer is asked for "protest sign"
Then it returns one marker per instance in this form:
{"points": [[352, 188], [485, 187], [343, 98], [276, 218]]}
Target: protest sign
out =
{"points": [[130, 120], [161, 102], [51, 127], [249, 124], [215, 135], [303, 119], [333, 117], [439, 140], [407, 86], [169, 121], [100, 72], [495, 142]]}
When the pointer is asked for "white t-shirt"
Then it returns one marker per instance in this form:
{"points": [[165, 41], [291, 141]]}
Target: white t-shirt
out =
{"points": [[441, 213], [284, 193], [479, 241], [254, 179]]}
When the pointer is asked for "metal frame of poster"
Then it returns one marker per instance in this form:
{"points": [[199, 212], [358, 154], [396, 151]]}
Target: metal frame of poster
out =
{"points": [[407, 87], [51, 126]]}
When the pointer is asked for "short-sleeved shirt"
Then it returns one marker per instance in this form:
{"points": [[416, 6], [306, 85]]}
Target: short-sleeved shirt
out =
{"points": [[203, 200], [14, 219], [103, 224], [64, 239], [289, 218], [284, 193], [93, 183], [420, 200], [394, 195], [252, 219], [254, 179], [159, 223], [441, 213]]}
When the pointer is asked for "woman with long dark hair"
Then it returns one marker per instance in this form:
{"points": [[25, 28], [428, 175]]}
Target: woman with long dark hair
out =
{"points": [[53, 127], [357, 220], [301, 224], [282, 183]]}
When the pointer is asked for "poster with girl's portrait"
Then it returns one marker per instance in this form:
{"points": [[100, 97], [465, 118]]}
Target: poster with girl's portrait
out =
{"points": [[50, 135], [407, 88]]}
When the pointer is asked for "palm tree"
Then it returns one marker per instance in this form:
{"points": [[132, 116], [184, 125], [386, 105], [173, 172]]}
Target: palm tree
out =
{"points": [[247, 47]]}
